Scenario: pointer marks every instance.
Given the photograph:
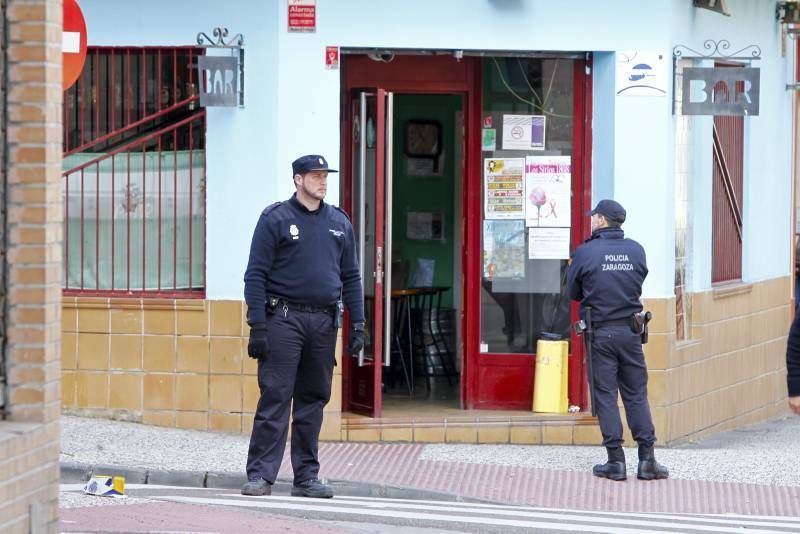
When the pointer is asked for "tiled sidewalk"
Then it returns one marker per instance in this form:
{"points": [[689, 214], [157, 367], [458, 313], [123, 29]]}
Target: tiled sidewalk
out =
{"points": [[556, 477]]}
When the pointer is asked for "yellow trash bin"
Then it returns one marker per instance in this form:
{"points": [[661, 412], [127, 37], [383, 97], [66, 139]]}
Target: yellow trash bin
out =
{"points": [[550, 379]]}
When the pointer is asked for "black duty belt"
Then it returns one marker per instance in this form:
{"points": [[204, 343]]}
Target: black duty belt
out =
{"points": [[309, 308], [612, 322]]}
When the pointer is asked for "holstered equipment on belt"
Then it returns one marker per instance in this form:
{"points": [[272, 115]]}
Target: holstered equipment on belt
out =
{"points": [[584, 328], [338, 314], [639, 324]]}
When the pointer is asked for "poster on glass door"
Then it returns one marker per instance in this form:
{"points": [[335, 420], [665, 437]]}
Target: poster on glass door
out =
{"points": [[504, 188], [548, 191], [503, 249]]}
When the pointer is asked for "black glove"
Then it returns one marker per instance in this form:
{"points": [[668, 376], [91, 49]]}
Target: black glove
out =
{"points": [[258, 345], [356, 338]]}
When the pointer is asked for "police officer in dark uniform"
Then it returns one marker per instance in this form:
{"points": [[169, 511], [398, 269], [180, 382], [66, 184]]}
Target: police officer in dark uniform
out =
{"points": [[302, 269], [793, 364], [606, 274]]}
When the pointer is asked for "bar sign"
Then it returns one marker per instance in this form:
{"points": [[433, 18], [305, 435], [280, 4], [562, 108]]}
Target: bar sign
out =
{"points": [[302, 15], [219, 80]]}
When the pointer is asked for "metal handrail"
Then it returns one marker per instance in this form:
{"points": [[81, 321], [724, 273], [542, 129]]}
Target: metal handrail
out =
{"points": [[135, 142], [131, 126]]}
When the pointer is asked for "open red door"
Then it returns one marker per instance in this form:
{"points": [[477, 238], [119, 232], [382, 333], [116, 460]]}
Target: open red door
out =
{"points": [[370, 165]]}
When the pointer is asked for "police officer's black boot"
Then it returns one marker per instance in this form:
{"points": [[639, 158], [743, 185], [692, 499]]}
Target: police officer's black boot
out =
{"points": [[649, 468], [257, 486], [614, 468], [312, 488]]}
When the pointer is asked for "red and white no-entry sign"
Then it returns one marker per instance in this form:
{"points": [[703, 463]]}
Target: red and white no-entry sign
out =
{"points": [[73, 43]]}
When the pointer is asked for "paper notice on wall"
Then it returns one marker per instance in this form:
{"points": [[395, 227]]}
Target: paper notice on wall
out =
{"points": [[524, 132], [548, 191], [504, 188], [548, 243]]}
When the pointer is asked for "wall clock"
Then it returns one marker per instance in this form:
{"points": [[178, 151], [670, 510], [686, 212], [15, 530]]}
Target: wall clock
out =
{"points": [[423, 139]]}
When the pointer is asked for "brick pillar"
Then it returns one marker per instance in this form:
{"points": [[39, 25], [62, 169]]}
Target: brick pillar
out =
{"points": [[34, 208], [32, 273]]}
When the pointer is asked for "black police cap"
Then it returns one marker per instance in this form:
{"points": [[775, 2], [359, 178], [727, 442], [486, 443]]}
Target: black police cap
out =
{"points": [[611, 210], [311, 162]]}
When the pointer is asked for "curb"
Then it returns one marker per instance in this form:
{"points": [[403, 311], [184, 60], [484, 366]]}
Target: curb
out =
{"points": [[73, 472]]}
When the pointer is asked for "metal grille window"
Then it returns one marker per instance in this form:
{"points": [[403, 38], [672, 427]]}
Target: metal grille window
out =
{"points": [[727, 193], [134, 175]]}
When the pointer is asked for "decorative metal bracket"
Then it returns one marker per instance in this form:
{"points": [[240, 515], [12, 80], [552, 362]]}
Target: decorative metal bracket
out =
{"points": [[716, 51], [237, 41], [235, 44]]}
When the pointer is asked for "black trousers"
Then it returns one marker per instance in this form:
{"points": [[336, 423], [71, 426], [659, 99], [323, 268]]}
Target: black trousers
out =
{"points": [[618, 364], [296, 373]]}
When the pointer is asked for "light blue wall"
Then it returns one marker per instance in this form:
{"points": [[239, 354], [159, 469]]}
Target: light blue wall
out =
{"points": [[644, 153], [293, 106], [603, 100]]}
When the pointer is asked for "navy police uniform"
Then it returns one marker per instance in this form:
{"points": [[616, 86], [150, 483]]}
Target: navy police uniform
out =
{"points": [[793, 363], [302, 265], [606, 273]]}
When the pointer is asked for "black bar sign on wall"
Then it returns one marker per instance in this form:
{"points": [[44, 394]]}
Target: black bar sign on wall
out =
{"points": [[219, 80], [721, 91]]}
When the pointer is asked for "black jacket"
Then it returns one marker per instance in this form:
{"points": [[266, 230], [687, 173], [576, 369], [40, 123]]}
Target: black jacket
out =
{"points": [[304, 257], [793, 357], [607, 273]]}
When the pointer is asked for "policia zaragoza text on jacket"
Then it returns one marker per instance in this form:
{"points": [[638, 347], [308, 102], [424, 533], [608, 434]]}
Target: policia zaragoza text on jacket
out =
{"points": [[606, 275], [302, 267]]}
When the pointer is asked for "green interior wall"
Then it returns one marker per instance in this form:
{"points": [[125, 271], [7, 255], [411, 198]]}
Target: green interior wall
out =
{"points": [[425, 193]]}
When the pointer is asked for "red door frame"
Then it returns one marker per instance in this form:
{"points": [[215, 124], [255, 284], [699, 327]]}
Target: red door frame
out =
{"points": [[505, 381], [368, 400], [578, 386], [416, 75], [405, 74], [445, 75]]}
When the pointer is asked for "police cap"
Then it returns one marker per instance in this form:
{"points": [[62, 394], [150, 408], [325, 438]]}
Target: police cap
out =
{"points": [[611, 210], [311, 162]]}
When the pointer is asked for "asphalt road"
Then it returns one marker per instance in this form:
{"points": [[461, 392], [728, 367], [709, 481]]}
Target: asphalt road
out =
{"points": [[150, 508]]}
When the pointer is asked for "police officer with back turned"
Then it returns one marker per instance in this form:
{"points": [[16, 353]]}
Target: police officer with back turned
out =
{"points": [[606, 275], [302, 270]]}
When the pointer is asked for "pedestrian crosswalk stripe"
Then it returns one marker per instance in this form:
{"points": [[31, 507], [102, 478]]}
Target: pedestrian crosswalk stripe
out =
{"points": [[310, 505], [523, 511], [794, 521], [451, 503], [523, 519], [750, 520], [726, 518]]}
